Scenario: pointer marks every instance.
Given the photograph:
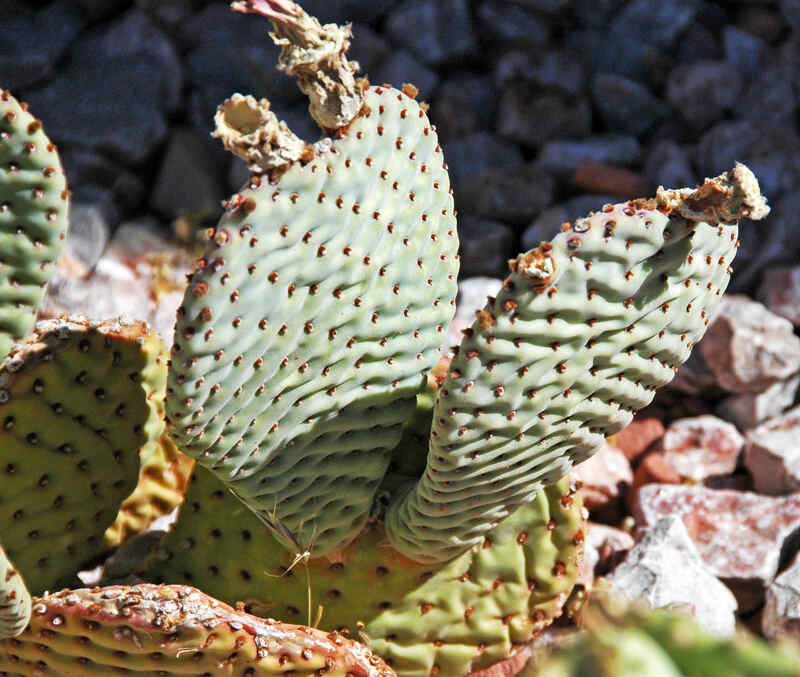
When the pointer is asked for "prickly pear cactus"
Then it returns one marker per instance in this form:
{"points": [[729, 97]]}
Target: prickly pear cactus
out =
{"points": [[164, 474], [584, 330], [444, 620], [621, 640], [172, 630], [307, 330], [15, 600], [78, 400], [34, 205]]}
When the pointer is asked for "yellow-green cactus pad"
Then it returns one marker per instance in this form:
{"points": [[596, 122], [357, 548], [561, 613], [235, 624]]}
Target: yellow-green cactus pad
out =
{"points": [[309, 325], [34, 205], [78, 400], [151, 630], [446, 620]]}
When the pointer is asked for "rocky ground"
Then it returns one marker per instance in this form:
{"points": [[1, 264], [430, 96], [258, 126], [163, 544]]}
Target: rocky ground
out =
{"points": [[547, 109]]}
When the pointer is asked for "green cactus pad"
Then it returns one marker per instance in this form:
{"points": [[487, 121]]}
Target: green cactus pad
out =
{"points": [[581, 334], [77, 402], [467, 614], [34, 205], [308, 327], [622, 640], [15, 600], [172, 630], [164, 474]]}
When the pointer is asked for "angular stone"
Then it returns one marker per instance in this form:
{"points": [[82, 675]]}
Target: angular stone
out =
{"points": [[638, 436], [653, 469], [739, 534], [772, 454], [596, 177], [559, 70], [32, 43], [625, 105], [549, 221], [531, 119], [604, 548], [665, 569], [472, 295], [562, 158], [402, 67], [505, 23], [668, 164], [88, 235], [436, 33], [509, 195], [485, 246], [772, 96], [780, 292], [701, 447], [605, 477], [703, 91], [748, 348], [761, 20], [780, 619], [747, 410], [744, 50], [368, 48], [478, 153], [791, 11], [464, 104], [188, 181]]}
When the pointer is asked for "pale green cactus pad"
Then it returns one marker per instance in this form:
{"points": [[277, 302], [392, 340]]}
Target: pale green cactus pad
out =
{"points": [[15, 600], [308, 328], [153, 630], [34, 205], [77, 402], [443, 620], [584, 330]]}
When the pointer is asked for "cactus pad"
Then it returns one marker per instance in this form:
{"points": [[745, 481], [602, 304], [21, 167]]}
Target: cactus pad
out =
{"points": [[308, 327], [15, 601], [77, 402], [584, 330], [469, 613], [34, 204], [164, 474], [172, 630]]}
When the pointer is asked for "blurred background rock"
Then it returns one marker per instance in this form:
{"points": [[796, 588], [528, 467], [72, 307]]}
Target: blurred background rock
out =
{"points": [[546, 108]]}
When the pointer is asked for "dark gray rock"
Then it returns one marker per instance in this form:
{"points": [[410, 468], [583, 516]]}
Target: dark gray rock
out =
{"points": [[562, 158], [188, 181], [478, 153], [464, 104], [549, 221], [558, 70], [110, 107], [791, 11], [744, 50], [595, 13], [773, 96], [698, 43], [300, 121], [625, 105], [133, 36], [436, 33], [344, 11], [531, 119], [31, 43], [403, 67], [506, 23], [667, 164], [512, 196], [102, 9], [485, 247], [368, 48], [89, 233], [170, 14], [548, 6], [655, 23], [703, 91], [764, 21]]}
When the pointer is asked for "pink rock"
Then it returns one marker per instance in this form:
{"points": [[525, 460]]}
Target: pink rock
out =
{"points": [[472, 295], [604, 476], [653, 469], [780, 292], [781, 617], [604, 548], [748, 348], [634, 439], [739, 535], [701, 447], [772, 454], [747, 410], [505, 668]]}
